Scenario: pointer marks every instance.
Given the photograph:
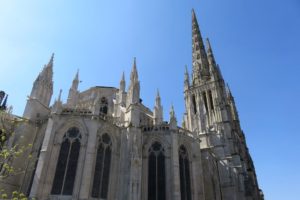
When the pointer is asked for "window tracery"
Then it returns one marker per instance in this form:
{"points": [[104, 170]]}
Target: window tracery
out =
{"points": [[65, 173], [156, 172], [102, 168]]}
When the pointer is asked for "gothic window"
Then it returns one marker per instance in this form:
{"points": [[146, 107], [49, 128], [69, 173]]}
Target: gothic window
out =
{"points": [[184, 168], [102, 168], [103, 106], [194, 104], [211, 100], [65, 174], [156, 173]]}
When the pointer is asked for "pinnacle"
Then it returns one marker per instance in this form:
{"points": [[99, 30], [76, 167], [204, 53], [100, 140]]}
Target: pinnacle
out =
{"points": [[172, 112], [123, 76], [134, 73], [77, 75]]}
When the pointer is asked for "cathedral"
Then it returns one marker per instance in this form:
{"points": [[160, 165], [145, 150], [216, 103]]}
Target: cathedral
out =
{"points": [[104, 144]]}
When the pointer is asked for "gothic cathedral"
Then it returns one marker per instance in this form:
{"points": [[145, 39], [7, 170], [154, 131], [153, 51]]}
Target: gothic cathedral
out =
{"points": [[104, 144]]}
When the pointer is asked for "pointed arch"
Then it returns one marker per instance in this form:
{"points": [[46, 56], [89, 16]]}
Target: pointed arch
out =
{"points": [[102, 167], [66, 166], [156, 172], [185, 177]]}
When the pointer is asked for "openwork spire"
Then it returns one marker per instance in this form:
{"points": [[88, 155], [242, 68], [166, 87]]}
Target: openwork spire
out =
{"points": [[200, 62]]}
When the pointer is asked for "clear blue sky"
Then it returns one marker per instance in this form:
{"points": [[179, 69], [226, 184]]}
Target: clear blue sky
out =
{"points": [[255, 42]]}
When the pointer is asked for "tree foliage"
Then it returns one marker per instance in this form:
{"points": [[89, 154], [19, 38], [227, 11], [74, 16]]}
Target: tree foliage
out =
{"points": [[10, 151]]}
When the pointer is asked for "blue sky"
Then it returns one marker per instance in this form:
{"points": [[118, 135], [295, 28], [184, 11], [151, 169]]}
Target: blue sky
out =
{"points": [[255, 42]]}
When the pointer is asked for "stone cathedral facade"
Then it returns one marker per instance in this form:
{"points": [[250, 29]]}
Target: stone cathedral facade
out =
{"points": [[104, 144]]}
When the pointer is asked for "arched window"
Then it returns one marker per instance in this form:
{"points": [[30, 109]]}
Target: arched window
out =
{"points": [[156, 173], [194, 104], [102, 168], [65, 173], [103, 106], [184, 168]]}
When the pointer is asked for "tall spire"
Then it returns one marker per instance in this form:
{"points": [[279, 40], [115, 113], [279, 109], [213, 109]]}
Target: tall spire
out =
{"points": [[200, 62]]}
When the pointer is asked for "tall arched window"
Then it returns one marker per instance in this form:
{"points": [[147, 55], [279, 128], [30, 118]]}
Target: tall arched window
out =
{"points": [[194, 104], [65, 173], [102, 168], [184, 168], [103, 106], [156, 173]]}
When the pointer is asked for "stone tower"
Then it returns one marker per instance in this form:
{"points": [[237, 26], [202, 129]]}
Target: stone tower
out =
{"points": [[211, 114]]}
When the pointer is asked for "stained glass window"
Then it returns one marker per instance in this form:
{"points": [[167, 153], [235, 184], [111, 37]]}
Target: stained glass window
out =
{"points": [[66, 167], [184, 168], [102, 168], [156, 173]]}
